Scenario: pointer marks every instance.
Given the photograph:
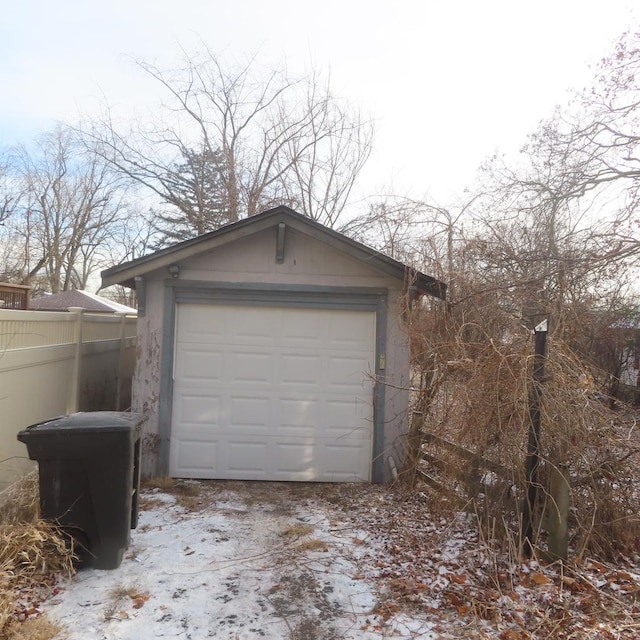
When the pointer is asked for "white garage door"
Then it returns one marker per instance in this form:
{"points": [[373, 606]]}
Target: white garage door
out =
{"points": [[272, 393]]}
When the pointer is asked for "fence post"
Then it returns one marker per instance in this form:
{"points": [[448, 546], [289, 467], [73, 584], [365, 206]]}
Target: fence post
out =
{"points": [[123, 320], [533, 444], [558, 510], [73, 402]]}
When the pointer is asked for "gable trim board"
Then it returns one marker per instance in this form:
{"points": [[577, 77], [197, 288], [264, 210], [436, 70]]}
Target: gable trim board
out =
{"points": [[264, 296], [126, 274]]}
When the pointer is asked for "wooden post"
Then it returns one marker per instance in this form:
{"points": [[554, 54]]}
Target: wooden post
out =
{"points": [[414, 444], [533, 444], [558, 511], [73, 401]]}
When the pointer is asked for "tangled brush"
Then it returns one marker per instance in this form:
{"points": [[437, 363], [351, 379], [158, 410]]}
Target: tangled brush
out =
{"points": [[475, 391]]}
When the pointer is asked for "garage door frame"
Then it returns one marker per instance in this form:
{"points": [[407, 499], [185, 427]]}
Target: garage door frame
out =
{"points": [[280, 295]]}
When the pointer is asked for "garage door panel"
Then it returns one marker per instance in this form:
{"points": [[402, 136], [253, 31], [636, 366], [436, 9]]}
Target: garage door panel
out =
{"points": [[294, 457], [297, 416], [289, 398], [250, 415], [200, 366], [244, 330], [194, 458], [192, 410], [204, 327], [247, 456], [250, 367], [300, 329], [299, 370], [352, 332], [346, 410], [348, 371], [343, 457], [318, 460]]}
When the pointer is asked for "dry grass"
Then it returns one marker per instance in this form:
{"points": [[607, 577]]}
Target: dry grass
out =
{"points": [[123, 596], [31, 548], [19, 503], [40, 628], [298, 530], [189, 494], [164, 483], [122, 591], [149, 502], [32, 551], [314, 544]]}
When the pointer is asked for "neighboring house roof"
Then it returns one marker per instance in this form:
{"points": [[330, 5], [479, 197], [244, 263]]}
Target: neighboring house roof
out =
{"points": [[126, 273], [77, 298]]}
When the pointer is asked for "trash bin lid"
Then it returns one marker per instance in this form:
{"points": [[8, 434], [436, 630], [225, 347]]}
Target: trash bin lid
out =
{"points": [[90, 422]]}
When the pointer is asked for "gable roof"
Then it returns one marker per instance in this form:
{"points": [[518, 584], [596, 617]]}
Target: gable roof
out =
{"points": [[126, 272], [78, 298]]}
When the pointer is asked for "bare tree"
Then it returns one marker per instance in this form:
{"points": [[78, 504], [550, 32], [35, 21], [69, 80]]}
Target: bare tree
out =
{"points": [[10, 192], [418, 232], [73, 205], [136, 239], [232, 141], [556, 227], [391, 224], [322, 163]]}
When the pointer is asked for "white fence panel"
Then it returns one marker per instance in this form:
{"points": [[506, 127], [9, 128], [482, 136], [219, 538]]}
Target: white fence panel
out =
{"points": [[52, 363], [24, 329]]}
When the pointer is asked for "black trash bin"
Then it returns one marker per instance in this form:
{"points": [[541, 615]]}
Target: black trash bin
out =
{"points": [[89, 480]]}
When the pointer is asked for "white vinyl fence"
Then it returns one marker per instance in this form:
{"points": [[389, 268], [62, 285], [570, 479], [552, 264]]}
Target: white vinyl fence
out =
{"points": [[52, 363]]}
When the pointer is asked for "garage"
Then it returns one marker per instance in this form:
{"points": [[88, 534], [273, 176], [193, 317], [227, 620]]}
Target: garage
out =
{"points": [[272, 393], [273, 348]]}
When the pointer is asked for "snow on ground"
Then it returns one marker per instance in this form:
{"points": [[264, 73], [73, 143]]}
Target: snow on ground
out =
{"points": [[298, 561], [236, 561]]}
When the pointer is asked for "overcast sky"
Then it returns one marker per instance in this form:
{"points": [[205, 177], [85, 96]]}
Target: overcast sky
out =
{"points": [[448, 82]]}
